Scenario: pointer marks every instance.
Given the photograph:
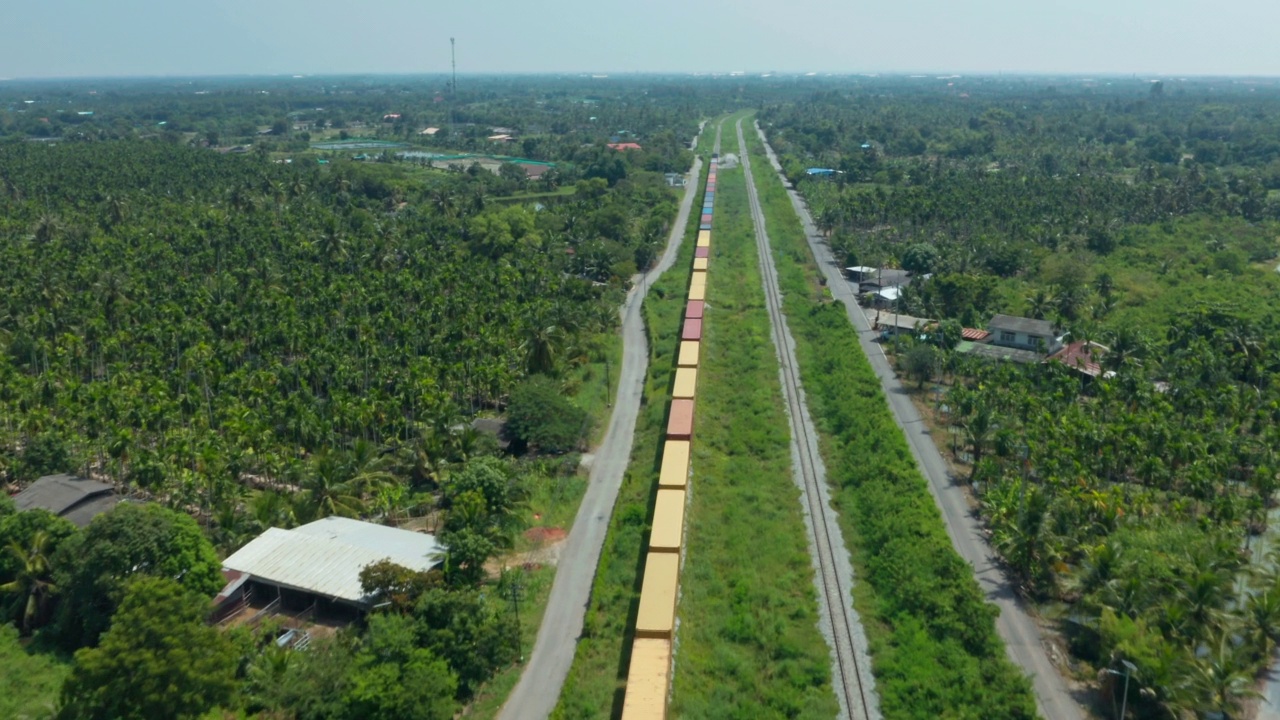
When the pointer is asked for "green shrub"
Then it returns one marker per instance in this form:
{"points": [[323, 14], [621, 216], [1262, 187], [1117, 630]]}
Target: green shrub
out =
{"points": [[540, 416]]}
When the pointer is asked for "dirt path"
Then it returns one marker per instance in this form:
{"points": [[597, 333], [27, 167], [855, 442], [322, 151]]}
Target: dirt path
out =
{"points": [[833, 572], [1015, 624], [535, 696]]}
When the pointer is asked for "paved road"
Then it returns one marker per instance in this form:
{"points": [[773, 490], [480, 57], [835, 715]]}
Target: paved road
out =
{"points": [[833, 571], [535, 696], [1015, 625]]}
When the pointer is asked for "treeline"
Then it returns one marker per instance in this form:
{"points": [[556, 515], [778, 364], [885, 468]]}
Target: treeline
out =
{"points": [[183, 322]]}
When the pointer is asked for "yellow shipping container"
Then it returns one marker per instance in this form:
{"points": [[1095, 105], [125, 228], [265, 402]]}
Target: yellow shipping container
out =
{"points": [[675, 465], [688, 354], [668, 522], [704, 238], [657, 616], [648, 680], [686, 383], [698, 286], [700, 263]]}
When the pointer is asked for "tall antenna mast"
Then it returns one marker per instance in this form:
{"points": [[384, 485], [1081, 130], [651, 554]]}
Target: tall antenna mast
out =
{"points": [[453, 55]]}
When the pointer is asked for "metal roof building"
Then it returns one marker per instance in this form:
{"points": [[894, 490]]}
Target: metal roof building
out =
{"points": [[73, 498], [325, 557]]}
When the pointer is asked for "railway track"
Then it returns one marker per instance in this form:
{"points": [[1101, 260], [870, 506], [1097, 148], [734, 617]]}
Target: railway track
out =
{"points": [[851, 668]]}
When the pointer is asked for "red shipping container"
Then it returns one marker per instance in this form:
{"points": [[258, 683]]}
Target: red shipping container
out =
{"points": [[692, 330], [680, 423], [693, 310]]}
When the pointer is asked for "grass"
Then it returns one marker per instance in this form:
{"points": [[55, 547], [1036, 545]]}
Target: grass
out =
{"points": [[748, 642], [934, 649], [593, 688], [596, 382], [30, 682]]}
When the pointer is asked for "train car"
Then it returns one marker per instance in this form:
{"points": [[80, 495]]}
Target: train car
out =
{"points": [[675, 465], [680, 422], [694, 309], [698, 286], [700, 264], [704, 237], [702, 251], [689, 351], [704, 226], [668, 522], [692, 329], [648, 680], [686, 383], [706, 218], [657, 615]]}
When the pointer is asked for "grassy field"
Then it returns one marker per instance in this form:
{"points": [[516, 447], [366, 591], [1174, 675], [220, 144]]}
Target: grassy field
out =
{"points": [[29, 681], [748, 642], [594, 686], [934, 648]]}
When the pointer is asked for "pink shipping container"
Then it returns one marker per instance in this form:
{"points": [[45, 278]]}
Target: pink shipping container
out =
{"points": [[680, 423], [692, 329], [702, 252], [694, 309], [706, 219]]}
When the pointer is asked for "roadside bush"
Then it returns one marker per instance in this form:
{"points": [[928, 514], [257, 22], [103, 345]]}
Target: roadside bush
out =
{"points": [[540, 416]]}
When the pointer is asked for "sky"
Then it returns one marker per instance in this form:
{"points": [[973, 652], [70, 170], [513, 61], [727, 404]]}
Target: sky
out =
{"points": [[96, 38]]}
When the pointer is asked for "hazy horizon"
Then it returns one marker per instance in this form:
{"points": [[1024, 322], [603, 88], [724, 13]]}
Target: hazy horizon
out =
{"points": [[64, 39]]}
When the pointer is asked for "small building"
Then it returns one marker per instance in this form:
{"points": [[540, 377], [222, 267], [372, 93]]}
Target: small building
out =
{"points": [[391, 117], [974, 334], [430, 131], [500, 137], [624, 146], [1024, 334], [674, 179], [320, 562], [1083, 356], [820, 172], [883, 278], [74, 498], [534, 172], [885, 297], [893, 324]]}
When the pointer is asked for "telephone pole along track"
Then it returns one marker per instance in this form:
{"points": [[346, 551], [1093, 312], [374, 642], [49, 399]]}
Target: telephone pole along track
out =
{"points": [[833, 571]]}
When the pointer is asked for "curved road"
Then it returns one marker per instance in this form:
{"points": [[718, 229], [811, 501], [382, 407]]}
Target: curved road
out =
{"points": [[1019, 630], [833, 571], [535, 696]]}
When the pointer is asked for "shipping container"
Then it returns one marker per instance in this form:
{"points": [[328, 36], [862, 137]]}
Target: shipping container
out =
{"points": [[702, 251], [700, 263], [694, 309], [680, 422], [668, 522], [688, 354], [704, 226], [648, 680], [675, 465], [704, 237], [657, 615], [698, 292], [692, 329], [706, 218], [698, 282], [686, 382]]}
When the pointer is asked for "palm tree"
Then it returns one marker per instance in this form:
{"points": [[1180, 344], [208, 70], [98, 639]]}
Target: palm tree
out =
{"points": [[1221, 681], [34, 579], [329, 490], [1039, 304]]}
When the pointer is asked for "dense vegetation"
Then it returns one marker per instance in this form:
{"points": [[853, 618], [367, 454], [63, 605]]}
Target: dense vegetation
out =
{"points": [[934, 648], [1134, 215], [238, 342]]}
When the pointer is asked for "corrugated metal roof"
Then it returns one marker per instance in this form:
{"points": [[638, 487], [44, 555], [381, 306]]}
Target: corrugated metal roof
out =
{"points": [[325, 557], [647, 680], [76, 499]]}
